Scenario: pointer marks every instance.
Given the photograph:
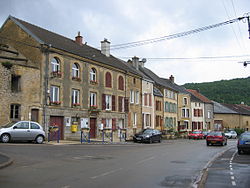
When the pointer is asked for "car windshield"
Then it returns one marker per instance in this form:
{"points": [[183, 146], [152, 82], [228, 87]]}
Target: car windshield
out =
{"points": [[196, 132], [245, 137], [215, 134], [8, 125], [147, 131]]}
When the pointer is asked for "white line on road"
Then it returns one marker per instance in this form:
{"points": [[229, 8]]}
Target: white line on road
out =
{"points": [[232, 177], [144, 160], [233, 183], [106, 173]]}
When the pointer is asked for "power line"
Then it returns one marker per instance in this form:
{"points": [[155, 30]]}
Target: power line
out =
{"points": [[173, 36]]}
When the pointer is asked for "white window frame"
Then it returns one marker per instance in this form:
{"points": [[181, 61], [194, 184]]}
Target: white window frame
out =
{"points": [[137, 97], [92, 74], [75, 70], [134, 119], [109, 123], [108, 101], [132, 96], [75, 96], [92, 98], [55, 65], [55, 93], [209, 113]]}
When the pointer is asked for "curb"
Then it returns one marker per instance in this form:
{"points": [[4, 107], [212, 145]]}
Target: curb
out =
{"points": [[5, 164], [201, 179]]}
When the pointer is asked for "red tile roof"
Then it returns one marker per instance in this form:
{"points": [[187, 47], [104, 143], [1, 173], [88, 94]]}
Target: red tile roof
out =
{"points": [[199, 96]]}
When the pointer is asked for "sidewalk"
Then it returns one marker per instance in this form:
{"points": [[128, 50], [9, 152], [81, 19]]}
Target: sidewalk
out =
{"points": [[5, 160], [92, 142]]}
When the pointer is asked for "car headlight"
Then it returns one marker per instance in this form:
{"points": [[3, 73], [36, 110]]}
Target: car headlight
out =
{"points": [[147, 136]]}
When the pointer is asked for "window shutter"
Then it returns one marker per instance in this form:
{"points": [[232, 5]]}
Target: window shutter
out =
{"points": [[113, 124], [126, 107], [103, 102], [150, 100], [145, 99], [120, 104], [113, 103], [108, 80], [121, 83]]}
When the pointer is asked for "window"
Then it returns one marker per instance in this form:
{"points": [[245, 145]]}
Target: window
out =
{"points": [[137, 96], [109, 123], [22, 125], [55, 65], [75, 97], [93, 75], [15, 83], [121, 83], [134, 120], [209, 114], [92, 99], [75, 71], [167, 107], [134, 81], [150, 99], [108, 101], [54, 94], [34, 126], [185, 102], [145, 99], [132, 95], [15, 111], [108, 80]]}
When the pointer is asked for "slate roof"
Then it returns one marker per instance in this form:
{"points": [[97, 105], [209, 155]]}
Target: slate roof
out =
{"points": [[57, 41], [222, 109], [157, 92], [238, 108], [157, 79], [199, 96]]}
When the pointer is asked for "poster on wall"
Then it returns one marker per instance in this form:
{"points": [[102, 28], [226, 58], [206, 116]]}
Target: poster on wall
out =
{"points": [[67, 121], [84, 122]]}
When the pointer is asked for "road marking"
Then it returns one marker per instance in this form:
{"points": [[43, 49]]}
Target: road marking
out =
{"points": [[144, 160], [232, 177], [231, 169], [233, 183], [231, 173], [106, 173]]}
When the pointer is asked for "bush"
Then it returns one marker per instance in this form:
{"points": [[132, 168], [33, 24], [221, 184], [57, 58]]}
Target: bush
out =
{"points": [[239, 131]]}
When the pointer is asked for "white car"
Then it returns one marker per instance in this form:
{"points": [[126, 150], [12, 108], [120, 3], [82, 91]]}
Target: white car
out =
{"points": [[231, 134], [22, 131]]}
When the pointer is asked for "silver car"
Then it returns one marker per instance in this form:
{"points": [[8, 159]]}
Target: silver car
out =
{"points": [[231, 134], [22, 131]]}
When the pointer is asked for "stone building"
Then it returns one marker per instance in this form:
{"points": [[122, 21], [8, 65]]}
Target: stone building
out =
{"points": [[65, 82]]}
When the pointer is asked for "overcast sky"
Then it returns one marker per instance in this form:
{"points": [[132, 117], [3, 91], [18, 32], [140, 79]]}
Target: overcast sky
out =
{"points": [[122, 21]]}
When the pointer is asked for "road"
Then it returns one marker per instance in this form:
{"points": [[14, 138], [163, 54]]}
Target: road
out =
{"points": [[172, 163]]}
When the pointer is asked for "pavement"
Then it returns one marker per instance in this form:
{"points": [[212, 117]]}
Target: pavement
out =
{"points": [[5, 160]]}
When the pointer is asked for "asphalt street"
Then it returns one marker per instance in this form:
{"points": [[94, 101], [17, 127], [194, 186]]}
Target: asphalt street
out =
{"points": [[172, 163]]}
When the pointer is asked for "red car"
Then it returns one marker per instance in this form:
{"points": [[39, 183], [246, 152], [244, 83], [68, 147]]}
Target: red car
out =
{"points": [[216, 138], [196, 135]]}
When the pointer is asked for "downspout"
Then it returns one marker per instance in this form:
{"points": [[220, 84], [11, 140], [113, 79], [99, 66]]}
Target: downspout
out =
{"points": [[45, 49]]}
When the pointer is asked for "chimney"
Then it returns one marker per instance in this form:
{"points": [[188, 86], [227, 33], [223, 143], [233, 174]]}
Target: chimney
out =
{"points": [[105, 47], [171, 78], [142, 62], [135, 62], [78, 39]]}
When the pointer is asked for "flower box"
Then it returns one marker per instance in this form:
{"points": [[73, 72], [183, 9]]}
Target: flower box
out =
{"points": [[55, 102], [76, 104], [56, 74], [93, 82], [76, 78]]}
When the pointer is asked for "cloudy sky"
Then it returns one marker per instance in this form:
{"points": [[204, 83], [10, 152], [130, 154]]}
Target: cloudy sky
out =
{"points": [[202, 57]]}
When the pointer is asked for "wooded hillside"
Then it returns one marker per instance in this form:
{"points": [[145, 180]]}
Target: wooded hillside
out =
{"points": [[232, 91]]}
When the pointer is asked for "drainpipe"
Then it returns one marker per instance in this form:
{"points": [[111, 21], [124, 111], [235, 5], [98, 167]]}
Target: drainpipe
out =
{"points": [[45, 50]]}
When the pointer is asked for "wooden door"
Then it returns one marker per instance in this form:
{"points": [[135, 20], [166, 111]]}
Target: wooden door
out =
{"points": [[34, 115], [92, 127]]}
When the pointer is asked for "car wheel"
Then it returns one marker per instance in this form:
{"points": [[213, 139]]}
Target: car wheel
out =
{"points": [[5, 138], [207, 143], [159, 140], [225, 143], [150, 141], [222, 143], [39, 139], [239, 152]]}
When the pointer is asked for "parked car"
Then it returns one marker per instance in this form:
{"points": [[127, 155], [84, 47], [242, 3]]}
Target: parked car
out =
{"points": [[22, 131], [244, 143], [216, 137], [205, 133], [148, 135], [195, 135], [231, 134]]}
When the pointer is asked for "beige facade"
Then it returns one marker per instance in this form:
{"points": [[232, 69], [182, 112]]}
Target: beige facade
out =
{"points": [[231, 121], [184, 113]]}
